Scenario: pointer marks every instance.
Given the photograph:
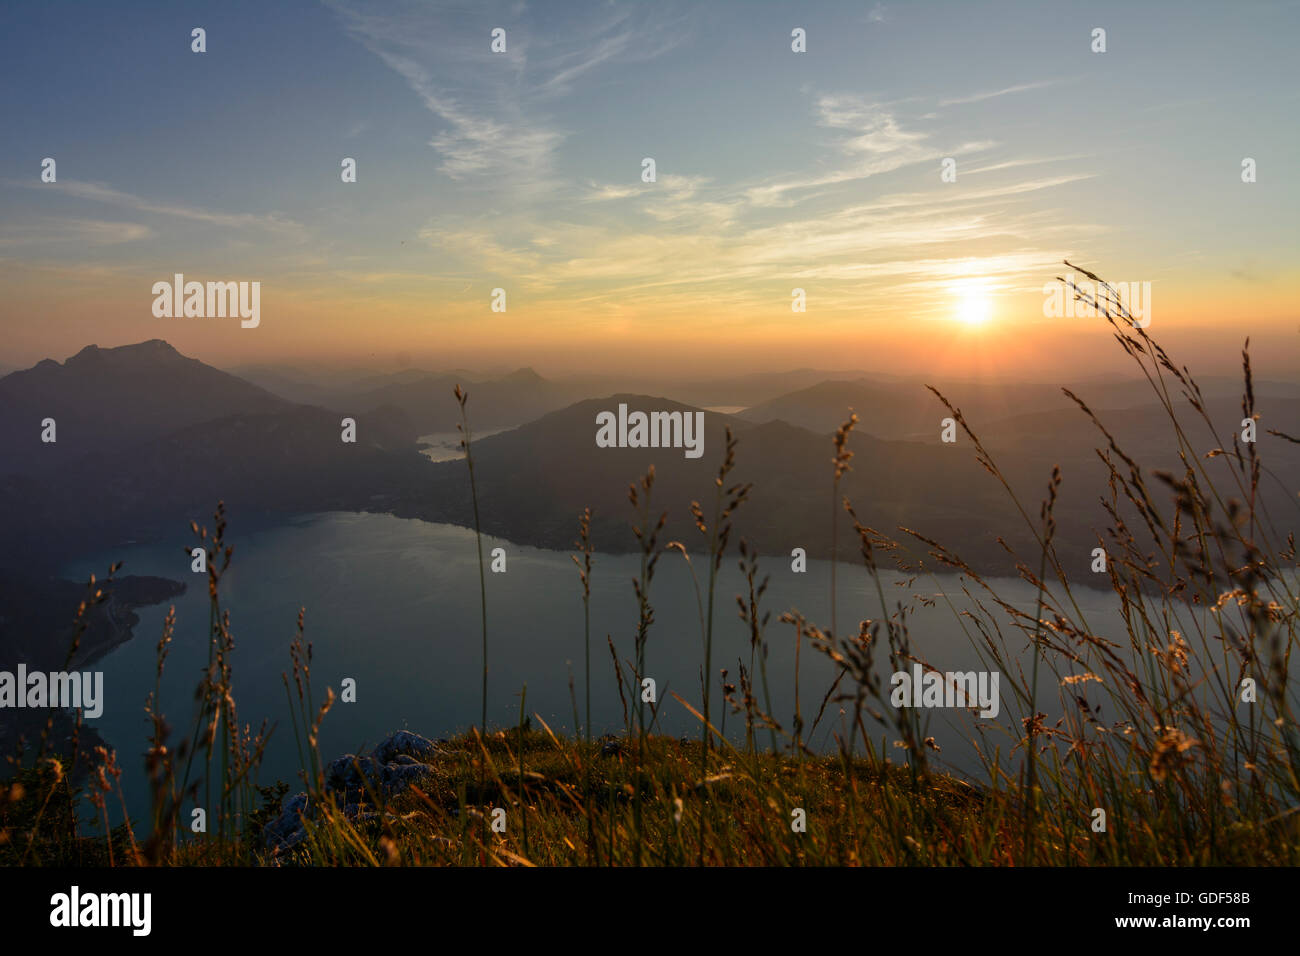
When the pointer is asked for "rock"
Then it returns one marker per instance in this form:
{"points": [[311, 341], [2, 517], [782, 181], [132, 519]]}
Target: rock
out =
{"points": [[398, 762], [422, 749], [397, 776], [339, 771], [353, 775], [287, 830]]}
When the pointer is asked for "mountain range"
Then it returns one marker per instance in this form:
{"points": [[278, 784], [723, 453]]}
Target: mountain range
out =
{"points": [[148, 440]]}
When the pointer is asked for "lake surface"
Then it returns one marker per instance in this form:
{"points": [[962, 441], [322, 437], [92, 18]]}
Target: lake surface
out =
{"points": [[394, 604], [445, 446]]}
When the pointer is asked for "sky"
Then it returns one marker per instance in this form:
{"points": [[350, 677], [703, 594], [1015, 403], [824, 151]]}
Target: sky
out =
{"points": [[775, 170]]}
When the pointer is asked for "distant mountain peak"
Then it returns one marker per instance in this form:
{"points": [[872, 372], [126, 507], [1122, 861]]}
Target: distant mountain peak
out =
{"points": [[523, 375], [108, 399], [151, 349]]}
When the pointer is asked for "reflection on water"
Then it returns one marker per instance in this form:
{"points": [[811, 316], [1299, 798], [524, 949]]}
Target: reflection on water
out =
{"points": [[445, 446], [394, 604]]}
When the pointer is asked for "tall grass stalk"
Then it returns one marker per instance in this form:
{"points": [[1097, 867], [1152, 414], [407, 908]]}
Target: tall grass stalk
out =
{"points": [[466, 442]]}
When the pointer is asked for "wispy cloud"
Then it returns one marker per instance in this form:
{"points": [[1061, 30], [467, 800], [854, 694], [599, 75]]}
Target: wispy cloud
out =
{"points": [[604, 193], [656, 245], [488, 251], [903, 240], [992, 94], [496, 128], [474, 92], [1017, 163], [612, 35], [879, 144], [101, 193], [79, 231], [605, 49]]}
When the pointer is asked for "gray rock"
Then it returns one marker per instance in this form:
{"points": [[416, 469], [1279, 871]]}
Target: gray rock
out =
{"points": [[398, 762], [340, 771], [397, 777], [422, 749], [287, 830], [351, 772]]}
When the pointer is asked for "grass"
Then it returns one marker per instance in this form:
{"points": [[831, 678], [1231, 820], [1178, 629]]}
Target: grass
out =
{"points": [[1177, 728]]}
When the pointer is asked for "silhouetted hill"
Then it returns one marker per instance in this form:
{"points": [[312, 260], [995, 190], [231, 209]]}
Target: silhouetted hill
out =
{"points": [[38, 617], [264, 467], [533, 481], [352, 388], [1145, 428], [757, 387], [102, 399], [141, 480], [428, 402], [907, 409], [1027, 446], [895, 409], [149, 440], [523, 376], [38, 625]]}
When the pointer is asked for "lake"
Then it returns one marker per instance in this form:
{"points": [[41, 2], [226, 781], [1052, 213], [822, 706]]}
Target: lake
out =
{"points": [[394, 604], [445, 446]]}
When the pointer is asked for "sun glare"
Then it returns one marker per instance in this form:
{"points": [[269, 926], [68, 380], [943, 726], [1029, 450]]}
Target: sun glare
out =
{"points": [[973, 306]]}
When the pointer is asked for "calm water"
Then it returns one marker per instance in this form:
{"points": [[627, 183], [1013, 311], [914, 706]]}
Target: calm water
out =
{"points": [[394, 604], [445, 446]]}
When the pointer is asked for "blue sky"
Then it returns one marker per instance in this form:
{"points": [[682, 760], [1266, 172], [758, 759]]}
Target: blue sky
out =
{"points": [[522, 170]]}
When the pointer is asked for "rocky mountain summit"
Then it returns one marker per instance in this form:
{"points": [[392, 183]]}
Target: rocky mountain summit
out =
{"points": [[356, 781]]}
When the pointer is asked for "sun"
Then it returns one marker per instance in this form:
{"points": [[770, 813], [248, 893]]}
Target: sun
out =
{"points": [[974, 306]]}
